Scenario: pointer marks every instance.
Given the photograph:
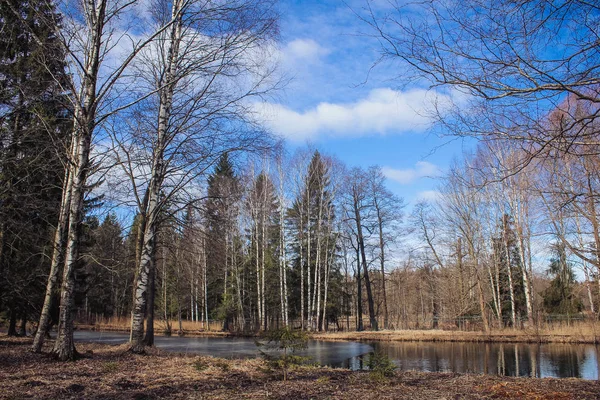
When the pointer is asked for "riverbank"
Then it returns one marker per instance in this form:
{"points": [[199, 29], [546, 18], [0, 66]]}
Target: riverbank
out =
{"points": [[584, 334], [579, 332], [112, 373]]}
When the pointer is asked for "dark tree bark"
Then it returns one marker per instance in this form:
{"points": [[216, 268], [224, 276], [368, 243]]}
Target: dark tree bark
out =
{"points": [[359, 326], [149, 338], [361, 245], [12, 322]]}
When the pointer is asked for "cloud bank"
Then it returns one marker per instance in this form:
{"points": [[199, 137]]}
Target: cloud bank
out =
{"points": [[382, 111]]}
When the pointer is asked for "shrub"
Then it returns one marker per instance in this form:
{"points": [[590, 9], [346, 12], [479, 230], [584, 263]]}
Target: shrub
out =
{"points": [[285, 340], [200, 365], [110, 367], [380, 365]]}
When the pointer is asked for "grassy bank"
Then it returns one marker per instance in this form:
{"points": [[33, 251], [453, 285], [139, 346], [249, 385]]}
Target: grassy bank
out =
{"points": [[579, 333], [576, 332], [112, 373]]}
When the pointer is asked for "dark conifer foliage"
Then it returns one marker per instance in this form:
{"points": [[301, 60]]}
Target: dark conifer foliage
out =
{"points": [[560, 297], [512, 292], [33, 138], [224, 192]]}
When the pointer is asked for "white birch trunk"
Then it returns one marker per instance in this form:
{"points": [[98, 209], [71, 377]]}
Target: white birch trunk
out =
{"points": [[83, 127], [166, 92], [57, 257]]}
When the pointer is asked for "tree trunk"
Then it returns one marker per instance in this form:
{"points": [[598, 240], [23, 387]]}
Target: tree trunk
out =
{"points": [[382, 265], [149, 338], [513, 316], [301, 234], [158, 170], [525, 275], [308, 260], [83, 127], [55, 265], [317, 291], [12, 322], [141, 288], [258, 287], [23, 326], [434, 300], [165, 285], [205, 283], [359, 326], [484, 319], [262, 264], [361, 245], [64, 347]]}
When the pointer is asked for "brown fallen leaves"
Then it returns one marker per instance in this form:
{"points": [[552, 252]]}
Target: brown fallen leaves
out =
{"points": [[112, 373]]}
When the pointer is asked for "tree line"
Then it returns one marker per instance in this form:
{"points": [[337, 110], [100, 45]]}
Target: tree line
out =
{"points": [[136, 181]]}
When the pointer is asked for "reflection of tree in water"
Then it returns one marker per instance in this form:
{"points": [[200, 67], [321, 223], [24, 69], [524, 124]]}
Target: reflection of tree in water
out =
{"points": [[516, 359], [565, 361], [490, 358], [438, 357]]}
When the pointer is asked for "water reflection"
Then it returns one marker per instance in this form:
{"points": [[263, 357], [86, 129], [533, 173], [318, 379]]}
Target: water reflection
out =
{"points": [[535, 360], [335, 354]]}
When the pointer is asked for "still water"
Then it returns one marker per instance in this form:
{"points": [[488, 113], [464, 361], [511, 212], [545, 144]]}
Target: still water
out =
{"points": [[536, 360]]}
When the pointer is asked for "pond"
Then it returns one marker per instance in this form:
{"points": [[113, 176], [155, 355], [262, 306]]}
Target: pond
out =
{"points": [[535, 360]]}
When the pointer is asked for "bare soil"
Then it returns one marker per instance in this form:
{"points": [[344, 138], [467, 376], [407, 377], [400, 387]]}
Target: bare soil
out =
{"points": [[110, 372]]}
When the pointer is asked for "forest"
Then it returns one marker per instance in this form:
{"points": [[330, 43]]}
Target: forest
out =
{"points": [[139, 187]]}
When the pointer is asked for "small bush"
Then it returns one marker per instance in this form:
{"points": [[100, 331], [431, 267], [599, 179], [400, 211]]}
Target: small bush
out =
{"points": [[200, 365], [110, 367], [224, 366], [286, 341], [380, 365]]}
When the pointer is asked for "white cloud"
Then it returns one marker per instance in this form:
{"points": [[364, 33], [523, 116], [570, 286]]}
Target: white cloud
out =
{"points": [[429, 195], [305, 50], [382, 111], [405, 176]]}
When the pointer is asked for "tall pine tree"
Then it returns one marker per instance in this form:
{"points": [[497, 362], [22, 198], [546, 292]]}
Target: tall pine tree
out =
{"points": [[224, 193], [33, 137]]}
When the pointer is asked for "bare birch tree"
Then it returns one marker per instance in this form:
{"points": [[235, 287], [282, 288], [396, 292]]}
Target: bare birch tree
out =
{"points": [[90, 37]]}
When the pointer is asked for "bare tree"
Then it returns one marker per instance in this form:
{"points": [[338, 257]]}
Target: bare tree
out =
{"points": [[498, 68], [388, 213], [95, 98], [203, 70], [358, 207]]}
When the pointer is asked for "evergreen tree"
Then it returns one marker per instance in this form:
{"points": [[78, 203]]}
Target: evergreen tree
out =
{"points": [[559, 297], [33, 126], [108, 276], [224, 193], [263, 275], [506, 254], [311, 219]]}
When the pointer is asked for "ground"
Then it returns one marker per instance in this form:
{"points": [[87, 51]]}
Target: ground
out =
{"points": [[109, 372]]}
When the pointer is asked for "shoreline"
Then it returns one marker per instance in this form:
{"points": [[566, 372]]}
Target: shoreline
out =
{"points": [[111, 372], [575, 335]]}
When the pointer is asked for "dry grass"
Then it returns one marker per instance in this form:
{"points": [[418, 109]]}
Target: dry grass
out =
{"points": [[111, 373], [214, 328], [581, 332], [575, 332]]}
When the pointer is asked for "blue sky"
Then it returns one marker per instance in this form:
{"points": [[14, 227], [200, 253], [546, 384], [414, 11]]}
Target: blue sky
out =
{"points": [[339, 105]]}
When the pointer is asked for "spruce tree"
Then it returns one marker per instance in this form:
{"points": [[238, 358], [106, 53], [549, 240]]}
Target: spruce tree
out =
{"points": [[559, 298], [506, 254], [33, 126], [311, 218], [224, 192]]}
